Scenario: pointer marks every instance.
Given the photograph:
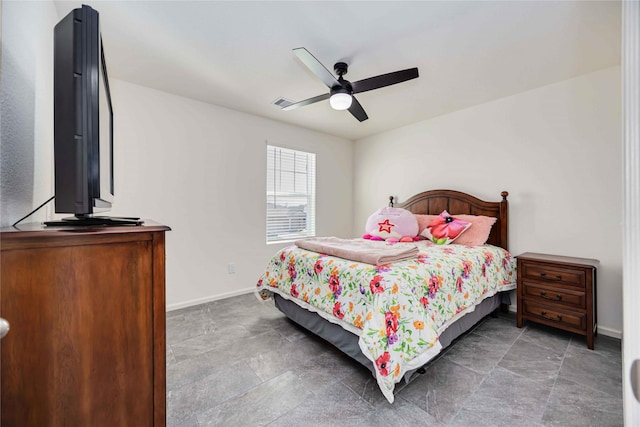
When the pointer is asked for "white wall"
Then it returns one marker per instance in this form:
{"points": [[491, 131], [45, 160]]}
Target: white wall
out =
{"points": [[26, 109], [201, 169], [556, 149]]}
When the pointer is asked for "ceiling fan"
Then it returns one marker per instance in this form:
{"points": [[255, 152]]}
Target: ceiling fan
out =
{"points": [[341, 91]]}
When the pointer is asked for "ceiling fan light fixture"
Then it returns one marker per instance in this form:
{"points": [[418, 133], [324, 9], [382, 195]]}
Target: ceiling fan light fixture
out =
{"points": [[340, 100]]}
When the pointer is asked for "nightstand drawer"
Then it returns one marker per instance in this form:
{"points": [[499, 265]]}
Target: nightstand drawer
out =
{"points": [[549, 316], [550, 294], [548, 274]]}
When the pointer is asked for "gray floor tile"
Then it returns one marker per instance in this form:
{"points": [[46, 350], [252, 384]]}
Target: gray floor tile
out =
{"points": [[193, 368], [498, 328], [211, 390], [171, 359], [505, 399], [364, 384], [336, 406], [289, 356], [399, 414], [443, 389], [544, 336], [478, 352], [181, 328], [292, 331], [509, 315], [326, 369], [257, 320], [186, 311], [467, 418], [224, 354], [254, 320], [248, 300], [209, 341], [593, 370], [605, 346], [532, 361], [190, 421], [571, 404], [260, 405], [220, 309]]}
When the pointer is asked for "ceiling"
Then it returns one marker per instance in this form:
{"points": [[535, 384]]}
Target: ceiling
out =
{"points": [[237, 54]]}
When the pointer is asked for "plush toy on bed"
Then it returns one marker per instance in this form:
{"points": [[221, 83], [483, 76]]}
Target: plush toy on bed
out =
{"points": [[392, 225]]}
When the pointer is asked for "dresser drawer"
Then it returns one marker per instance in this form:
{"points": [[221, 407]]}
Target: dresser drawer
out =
{"points": [[556, 295], [564, 319], [549, 274]]}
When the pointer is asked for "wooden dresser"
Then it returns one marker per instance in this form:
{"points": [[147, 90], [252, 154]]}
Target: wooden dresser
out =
{"points": [[87, 315], [558, 291]]}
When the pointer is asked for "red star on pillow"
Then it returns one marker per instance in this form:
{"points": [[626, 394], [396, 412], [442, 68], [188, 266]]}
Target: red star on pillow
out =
{"points": [[386, 226]]}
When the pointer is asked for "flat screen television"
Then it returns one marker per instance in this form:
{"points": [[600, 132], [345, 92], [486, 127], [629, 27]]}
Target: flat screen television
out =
{"points": [[83, 123]]}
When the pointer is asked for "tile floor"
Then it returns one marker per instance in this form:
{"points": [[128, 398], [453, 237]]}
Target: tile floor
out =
{"points": [[239, 362]]}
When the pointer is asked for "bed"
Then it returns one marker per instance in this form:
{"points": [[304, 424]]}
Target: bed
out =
{"points": [[394, 318]]}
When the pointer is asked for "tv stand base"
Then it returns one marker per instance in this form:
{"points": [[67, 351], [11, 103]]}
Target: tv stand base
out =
{"points": [[94, 221]]}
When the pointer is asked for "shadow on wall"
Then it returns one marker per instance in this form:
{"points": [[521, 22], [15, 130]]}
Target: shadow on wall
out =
{"points": [[17, 136]]}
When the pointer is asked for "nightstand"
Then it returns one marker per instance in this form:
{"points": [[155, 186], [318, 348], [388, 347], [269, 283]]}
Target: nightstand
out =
{"points": [[558, 291]]}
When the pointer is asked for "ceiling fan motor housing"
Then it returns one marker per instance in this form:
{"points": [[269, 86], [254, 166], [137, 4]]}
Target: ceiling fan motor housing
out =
{"points": [[345, 86], [340, 68]]}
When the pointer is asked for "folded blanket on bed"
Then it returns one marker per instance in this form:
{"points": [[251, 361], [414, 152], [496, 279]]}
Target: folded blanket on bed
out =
{"points": [[376, 253]]}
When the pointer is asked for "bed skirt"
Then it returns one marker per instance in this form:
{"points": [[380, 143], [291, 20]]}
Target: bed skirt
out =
{"points": [[347, 342]]}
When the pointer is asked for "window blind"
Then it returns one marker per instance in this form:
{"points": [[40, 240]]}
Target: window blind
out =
{"points": [[291, 194]]}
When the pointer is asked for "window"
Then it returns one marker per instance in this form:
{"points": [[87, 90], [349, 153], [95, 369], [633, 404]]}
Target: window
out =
{"points": [[291, 194]]}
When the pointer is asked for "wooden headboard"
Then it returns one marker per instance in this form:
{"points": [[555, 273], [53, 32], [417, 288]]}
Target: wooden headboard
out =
{"points": [[455, 202]]}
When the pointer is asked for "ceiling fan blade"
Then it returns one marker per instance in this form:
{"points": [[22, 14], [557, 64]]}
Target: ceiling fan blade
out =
{"points": [[384, 80], [357, 110], [316, 67], [307, 102]]}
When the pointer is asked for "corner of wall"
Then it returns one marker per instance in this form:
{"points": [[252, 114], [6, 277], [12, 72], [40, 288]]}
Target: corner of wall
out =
{"points": [[26, 108]]}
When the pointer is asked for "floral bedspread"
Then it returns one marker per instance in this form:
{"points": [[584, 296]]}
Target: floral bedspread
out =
{"points": [[397, 310]]}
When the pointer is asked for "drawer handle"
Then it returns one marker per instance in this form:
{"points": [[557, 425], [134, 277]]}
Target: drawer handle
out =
{"points": [[554, 279], [4, 327], [557, 319], [544, 295]]}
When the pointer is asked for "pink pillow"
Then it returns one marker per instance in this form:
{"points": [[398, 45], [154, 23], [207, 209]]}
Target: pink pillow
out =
{"points": [[445, 229], [479, 231]]}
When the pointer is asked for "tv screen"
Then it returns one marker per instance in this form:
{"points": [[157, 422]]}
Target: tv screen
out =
{"points": [[103, 193], [83, 123]]}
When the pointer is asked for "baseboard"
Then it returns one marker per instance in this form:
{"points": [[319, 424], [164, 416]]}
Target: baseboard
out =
{"points": [[607, 332], [193, 302]]}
